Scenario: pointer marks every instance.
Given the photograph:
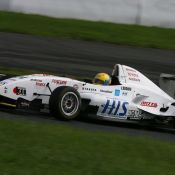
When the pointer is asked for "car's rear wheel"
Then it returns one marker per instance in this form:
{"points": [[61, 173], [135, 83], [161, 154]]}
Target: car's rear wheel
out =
{"points": [[65, 103]]}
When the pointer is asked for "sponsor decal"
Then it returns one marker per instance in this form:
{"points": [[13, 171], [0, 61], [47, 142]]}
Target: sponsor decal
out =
{"points": [[62, 82], [134, 79], [124, 88], [114, 108], [33, 79], [5, 90], [75, 86], [133, 75], [19, 91], [105, 91], [117, 92], [40, 84], [149, 104], [2, 83], [89, 89], [134, 114], [124, 93]]}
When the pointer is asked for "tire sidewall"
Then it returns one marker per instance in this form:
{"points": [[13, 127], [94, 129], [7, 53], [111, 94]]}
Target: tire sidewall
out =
{"points": [[56, 100]]}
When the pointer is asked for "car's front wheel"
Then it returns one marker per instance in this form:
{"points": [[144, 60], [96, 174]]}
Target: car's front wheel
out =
{"points": [[65, 103]]}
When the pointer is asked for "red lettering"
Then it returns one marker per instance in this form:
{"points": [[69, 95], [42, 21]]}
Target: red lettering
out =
{"points": [[40, 84], [132, 74], [149, 104], [59, 81]]}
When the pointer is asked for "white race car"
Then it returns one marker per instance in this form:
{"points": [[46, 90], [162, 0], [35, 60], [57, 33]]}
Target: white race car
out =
{"points": [[131, 96]]}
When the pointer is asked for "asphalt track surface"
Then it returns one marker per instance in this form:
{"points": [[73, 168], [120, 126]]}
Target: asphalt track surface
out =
{"points": [[84, 58]]}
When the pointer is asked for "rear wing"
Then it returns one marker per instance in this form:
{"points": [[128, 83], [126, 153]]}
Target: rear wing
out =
{"points": [[167, 83], [129, 76]]}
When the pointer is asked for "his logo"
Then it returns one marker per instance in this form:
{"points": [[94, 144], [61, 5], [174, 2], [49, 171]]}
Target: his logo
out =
{"points": [[115, 108]]}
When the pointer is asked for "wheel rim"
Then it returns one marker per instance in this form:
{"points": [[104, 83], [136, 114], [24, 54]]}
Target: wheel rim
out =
{"points": [[69, 103]]}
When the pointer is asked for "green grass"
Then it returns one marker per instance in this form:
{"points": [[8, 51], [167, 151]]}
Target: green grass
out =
{"points": [[17, 71], [29, 148], [87, 30], [20, 71]]}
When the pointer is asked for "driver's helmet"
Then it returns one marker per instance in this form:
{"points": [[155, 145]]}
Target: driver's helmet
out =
{"points": [[102, 79]]}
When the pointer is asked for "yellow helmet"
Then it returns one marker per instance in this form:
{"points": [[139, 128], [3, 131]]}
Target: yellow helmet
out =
{"points": [[102, 79]]}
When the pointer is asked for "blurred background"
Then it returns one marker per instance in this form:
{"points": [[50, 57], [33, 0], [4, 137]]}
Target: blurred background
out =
{"points": [[141, 12]]}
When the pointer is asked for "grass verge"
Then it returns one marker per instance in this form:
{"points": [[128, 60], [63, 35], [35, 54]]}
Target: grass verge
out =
{"points": [[40, 148], [20, 71], [86, 30], [17, 71]]}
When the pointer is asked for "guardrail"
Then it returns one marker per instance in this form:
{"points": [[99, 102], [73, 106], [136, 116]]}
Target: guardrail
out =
{"points": [[144, 12]]}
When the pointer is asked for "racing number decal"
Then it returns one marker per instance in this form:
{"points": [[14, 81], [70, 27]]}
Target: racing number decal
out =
{"points": [[114, 108]]}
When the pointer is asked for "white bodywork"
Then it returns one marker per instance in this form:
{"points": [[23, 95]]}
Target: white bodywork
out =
{"points": [[134, 95]]}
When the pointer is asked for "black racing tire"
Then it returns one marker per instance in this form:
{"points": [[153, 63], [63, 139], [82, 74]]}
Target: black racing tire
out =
{"points": [[65, 103]]}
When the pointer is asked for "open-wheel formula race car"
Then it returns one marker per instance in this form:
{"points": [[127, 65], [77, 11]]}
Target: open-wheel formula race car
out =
{"points": [[130, 97]]}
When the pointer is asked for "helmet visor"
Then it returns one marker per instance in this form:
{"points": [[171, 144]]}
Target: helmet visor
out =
{"points": [[97, 81]]}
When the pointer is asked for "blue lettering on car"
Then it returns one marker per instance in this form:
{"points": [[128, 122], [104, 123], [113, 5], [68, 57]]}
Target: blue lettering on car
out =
{"points": [[112, 108], [124, 109]]}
